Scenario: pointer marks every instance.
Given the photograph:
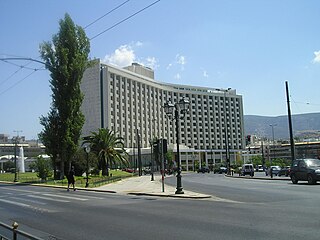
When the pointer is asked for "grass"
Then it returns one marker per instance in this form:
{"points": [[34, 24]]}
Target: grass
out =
{"points": [[94, 181]]}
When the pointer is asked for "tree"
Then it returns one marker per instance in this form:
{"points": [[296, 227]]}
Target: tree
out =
{"points": [[108, 147], [66, 58], [256, 160], [80, 161], [43, 168], [169, 157], [49, 137]]}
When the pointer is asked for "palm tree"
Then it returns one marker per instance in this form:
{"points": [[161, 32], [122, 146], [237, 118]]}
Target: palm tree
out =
{"points": [[108, 147]]}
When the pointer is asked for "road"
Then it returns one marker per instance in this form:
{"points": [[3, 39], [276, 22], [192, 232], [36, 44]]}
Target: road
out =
{"points": [[251, 209]]}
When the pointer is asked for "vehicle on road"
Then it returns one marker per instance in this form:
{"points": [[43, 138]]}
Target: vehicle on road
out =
{"points": [[285, 171], [247, 169], [203, 170], [146, 170], [305, 170], [275, 170], [220, 170], [259, 168]]}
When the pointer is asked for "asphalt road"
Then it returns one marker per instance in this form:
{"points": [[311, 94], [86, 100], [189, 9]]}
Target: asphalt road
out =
{"points": [[253, 209]]}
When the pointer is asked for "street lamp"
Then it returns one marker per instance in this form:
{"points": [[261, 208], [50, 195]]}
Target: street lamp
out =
{"points": [[226, 127], [15, 159], [176, 112], [87, 150]]}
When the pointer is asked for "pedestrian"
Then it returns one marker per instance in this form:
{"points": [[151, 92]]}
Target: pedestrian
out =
{"points": [[70, 178]]}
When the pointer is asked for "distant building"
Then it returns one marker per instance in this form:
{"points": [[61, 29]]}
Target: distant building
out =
{"points": [[4, 138], [283, 150], [129, 101]]}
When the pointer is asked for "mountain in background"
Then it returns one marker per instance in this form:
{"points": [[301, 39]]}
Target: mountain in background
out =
{"points": [[303, 126]]}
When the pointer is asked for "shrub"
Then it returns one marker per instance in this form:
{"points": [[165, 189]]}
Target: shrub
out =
{"points": [[43, 168]]}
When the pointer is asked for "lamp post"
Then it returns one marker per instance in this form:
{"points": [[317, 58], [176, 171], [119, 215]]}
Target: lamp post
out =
{"points": [[15, 159], [152, 175], [226, 126], [274, 153], [16, 139], [176, 112], [87, 150]]}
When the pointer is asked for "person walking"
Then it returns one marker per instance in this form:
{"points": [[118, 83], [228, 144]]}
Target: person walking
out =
{"points": [[71, 179]]}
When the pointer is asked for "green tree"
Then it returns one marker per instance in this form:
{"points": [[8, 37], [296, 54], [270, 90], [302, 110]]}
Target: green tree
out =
{"points": [[66, 58], [43, 168], [49, 137], [80, 161], [256, 160], [169, 157], [108, 147]]}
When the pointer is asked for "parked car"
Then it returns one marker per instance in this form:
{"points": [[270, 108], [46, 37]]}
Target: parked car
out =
{"points": [[259, 168], [247, 169], [275, 170], [203, 170], [220, 170], [305, 170], [146, 171], [285, 171], [129, 170]]}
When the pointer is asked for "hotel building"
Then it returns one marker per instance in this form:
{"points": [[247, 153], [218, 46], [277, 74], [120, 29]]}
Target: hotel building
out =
{"points": [[129, 101]]}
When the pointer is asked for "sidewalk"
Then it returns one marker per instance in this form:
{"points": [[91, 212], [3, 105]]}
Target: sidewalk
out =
{"points": [[144, 186]]}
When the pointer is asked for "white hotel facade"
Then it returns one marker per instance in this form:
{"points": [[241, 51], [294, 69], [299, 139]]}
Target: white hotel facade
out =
{"points": [[129, 100]]}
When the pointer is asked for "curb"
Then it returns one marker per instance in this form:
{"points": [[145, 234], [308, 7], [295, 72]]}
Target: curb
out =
{"points": [[260, 178], [170, 195], [109, 191]]}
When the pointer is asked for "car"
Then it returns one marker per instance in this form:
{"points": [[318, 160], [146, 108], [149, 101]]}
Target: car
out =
{"points": [[129, 170], [146, 171], [259, 168], [285, 171], [305, 170], [247, 169], [275, 170], [220, 170], [203, 170]]}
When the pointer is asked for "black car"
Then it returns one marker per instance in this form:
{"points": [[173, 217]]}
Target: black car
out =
{"points": [[220, 170], [305, 170], [203, 170], [285, 171]]}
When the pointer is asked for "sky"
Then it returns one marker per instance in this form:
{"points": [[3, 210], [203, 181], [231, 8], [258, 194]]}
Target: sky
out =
{"points": [[253, 46]]}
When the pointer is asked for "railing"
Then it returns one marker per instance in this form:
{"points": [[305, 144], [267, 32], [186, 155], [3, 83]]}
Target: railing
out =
{"points": [[13, 233]]}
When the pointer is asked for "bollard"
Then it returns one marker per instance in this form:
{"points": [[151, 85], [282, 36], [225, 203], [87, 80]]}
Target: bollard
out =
{"points": [[15, 225]]}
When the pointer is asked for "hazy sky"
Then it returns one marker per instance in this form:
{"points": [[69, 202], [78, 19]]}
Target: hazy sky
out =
{"points": [[252, 46]]}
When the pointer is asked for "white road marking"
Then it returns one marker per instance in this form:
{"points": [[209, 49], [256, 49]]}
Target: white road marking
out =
{"points": [[28, 200], [27, 206], [15, 203], [47, 198], [67, 197]]}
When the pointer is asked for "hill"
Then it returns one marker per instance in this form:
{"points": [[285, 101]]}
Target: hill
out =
{"points": [[304, 125]]}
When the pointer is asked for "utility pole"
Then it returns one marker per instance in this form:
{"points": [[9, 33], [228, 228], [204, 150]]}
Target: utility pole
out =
{"points": [[139, 154], [290, 124]]}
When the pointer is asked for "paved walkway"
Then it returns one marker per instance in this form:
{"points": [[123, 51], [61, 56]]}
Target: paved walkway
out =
{"points": [[144, 186]]}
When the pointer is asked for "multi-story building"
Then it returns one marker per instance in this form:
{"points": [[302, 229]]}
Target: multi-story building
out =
{"points": [[130, 101]]}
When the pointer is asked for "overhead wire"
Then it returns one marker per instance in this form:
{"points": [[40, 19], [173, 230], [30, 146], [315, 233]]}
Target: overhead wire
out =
{"points": [[21, 66], [18, 70], [97, 35], [125, 19], [296, 104], [12, 86], [112, 10]]}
